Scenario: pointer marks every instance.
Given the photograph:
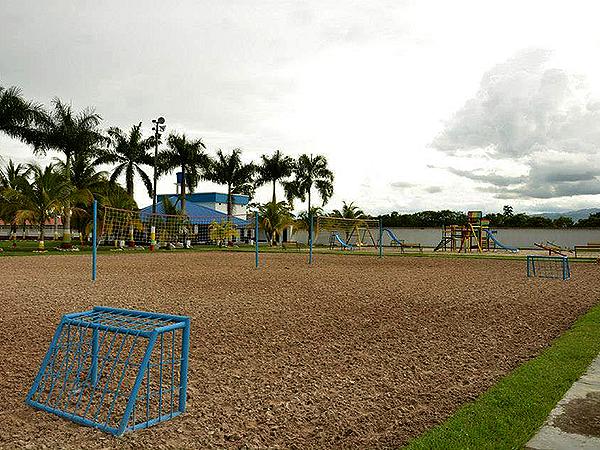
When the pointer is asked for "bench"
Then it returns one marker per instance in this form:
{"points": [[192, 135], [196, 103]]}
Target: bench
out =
{"points": [[590, 248], [293, 245], [411, 245]]}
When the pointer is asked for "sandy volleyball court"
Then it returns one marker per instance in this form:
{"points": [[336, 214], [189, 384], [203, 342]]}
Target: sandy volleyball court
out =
{"points": [[352, 352]]}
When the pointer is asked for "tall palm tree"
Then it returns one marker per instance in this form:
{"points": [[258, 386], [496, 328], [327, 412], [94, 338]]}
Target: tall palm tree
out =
{"points": [[273, 169], [310, 171], [12, 179], [349, 211], [17, 114], [48, 191], [189, 156], [231, 171], [75, 135], [129, 152]]}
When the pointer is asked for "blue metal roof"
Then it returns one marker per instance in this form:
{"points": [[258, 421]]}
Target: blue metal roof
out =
{"points": [[198, 214]]}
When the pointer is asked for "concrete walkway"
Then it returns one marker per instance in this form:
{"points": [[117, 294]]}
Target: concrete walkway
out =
{"points": [[575, 421]]}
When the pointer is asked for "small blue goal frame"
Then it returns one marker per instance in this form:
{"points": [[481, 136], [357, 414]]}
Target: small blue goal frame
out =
{"points": [[114, 369], [548, 267]]}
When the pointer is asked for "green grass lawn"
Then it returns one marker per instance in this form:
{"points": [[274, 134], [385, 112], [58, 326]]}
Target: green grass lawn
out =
{"points": [[510, 413]]}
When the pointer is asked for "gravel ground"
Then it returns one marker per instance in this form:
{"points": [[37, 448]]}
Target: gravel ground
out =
{"points": [[352, 352]]}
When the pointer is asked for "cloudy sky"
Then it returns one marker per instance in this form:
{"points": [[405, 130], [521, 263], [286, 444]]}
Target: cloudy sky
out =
{"points": [[416, 104]]}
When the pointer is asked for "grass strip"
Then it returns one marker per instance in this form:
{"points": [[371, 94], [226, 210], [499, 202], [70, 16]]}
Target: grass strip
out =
{"points": [[510, 413]]}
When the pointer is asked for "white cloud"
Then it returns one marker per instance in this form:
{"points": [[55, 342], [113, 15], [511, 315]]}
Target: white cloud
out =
{"points": [[531, 113]]}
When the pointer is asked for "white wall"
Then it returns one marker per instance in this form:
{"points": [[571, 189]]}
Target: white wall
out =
{"points": [[238, 210]]}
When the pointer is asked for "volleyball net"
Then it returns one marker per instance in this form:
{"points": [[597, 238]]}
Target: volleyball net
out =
{"points": [[123, 228]]}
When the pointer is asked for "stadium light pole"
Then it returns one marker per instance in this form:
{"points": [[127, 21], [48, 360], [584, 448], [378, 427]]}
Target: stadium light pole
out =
{"points": [[158, 128]]}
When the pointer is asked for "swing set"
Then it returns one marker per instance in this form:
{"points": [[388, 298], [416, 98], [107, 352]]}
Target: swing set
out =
{"points": [[349, 234]]}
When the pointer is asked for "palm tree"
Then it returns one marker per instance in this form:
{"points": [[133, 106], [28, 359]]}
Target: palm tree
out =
{"points": [[86, 184], [310, 172], [189, 156], [47, 192], [349, 211], [231, 171], [113, 195], [12, 179], [274, 218], [303, 220], [129, 152], [16, 114], [273, 169], [74, 135]]}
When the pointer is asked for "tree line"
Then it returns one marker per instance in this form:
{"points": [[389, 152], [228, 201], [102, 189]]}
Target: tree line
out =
{"points": [[506, 219], [66, 187]]}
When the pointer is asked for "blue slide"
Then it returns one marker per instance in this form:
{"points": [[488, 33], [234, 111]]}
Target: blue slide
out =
{"points": [[393, 236], [341, 241], [500, 244]]}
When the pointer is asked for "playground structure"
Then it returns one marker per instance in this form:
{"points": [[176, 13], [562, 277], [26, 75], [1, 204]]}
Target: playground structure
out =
{"points": [[400, 243], [548, 267], [552, 248], [117, 370], [475, 235], [349, 234]]}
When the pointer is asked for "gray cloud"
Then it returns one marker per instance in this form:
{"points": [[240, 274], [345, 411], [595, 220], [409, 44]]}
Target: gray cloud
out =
{"points": [[538, 116], [491, 178], [433, 189]]}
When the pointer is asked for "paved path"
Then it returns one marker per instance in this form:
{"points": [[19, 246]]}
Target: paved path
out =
{"points": [[575, 421]]}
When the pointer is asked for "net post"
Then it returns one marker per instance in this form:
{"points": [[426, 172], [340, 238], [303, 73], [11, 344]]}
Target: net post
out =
{"points": [[310, 238], [94, 239], [380, 237], [152, 238], [256, 239]]}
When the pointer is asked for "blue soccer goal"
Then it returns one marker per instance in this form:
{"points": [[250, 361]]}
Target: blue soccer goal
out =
{"points": [[115, 369], [548, 267]]}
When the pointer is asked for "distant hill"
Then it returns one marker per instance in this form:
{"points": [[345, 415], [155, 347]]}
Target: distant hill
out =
{"points": [[575, 215]]}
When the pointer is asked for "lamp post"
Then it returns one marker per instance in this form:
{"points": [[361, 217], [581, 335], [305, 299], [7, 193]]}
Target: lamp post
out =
{"points": [[158, 128]]}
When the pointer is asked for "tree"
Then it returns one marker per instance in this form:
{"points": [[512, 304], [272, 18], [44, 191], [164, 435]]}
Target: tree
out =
{"points": [[231, 171], [349, 211], [129, 152], [75, 136], [564, 222], [303, 219], [222, 233], [189, 156], [17, 114], [310, 172], [274, 168], [274, 218], [173, 224], [113, 195], [48, 190], [86, 184], [592, 221], [12, 179]]}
